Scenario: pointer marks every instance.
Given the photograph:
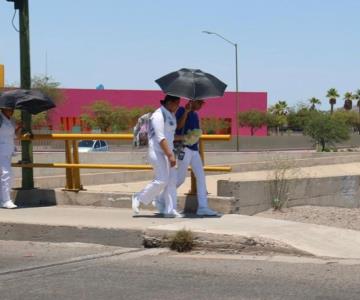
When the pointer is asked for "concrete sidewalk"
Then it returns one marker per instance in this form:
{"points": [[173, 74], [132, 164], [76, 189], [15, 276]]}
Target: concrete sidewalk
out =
{"points": [[111, 226]]}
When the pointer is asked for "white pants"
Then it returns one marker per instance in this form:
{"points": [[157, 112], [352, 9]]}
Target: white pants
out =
{"points": [[164, 184], [193, 158], [5, 178]]}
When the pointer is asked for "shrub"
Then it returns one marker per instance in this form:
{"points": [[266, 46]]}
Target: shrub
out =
{"points": [[182, 241]]}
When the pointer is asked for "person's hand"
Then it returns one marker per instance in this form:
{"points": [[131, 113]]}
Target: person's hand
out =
{"points": [[188, 106], [172, 160]]}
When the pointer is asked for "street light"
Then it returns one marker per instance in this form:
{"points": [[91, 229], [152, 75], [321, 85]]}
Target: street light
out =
{"points": [[237, 83]]}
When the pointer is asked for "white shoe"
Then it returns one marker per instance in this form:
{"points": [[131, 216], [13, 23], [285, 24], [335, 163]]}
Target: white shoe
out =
{"points": [[173, 214], [8, 204], [135, 204], [160, 206], [205, 211]]}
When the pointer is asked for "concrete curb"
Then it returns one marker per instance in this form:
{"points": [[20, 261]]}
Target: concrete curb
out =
{"points": [[222, 243], [132, 238], [44, 197]]}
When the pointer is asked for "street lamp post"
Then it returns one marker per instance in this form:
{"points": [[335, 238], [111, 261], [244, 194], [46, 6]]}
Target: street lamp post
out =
{"points": [[237, 83], [25, 82]]}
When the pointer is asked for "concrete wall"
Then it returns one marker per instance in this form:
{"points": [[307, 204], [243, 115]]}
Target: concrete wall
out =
{"points": [[223, 107], [252, 197]]}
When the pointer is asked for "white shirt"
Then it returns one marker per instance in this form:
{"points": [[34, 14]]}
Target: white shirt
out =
{"points": [[7, 136], [161, 129]]}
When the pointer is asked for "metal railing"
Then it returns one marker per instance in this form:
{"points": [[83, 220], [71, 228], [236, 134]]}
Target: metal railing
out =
{"points": [[72, 162]]}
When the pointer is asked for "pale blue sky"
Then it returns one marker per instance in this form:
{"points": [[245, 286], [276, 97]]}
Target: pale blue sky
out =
{"points": [[294, 49]]}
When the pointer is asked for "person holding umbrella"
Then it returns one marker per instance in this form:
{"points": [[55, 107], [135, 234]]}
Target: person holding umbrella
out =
{"points": [[194, 85], [8, 132], [162, 158], [31, 101], [188, 130]]}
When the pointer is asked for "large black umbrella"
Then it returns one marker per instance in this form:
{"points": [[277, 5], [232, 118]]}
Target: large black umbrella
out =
{"points": [[192, 84], [31, 101]]}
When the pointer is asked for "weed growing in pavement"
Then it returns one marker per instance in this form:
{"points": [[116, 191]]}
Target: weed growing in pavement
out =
{"points": [[182, 241], [282, 171]]}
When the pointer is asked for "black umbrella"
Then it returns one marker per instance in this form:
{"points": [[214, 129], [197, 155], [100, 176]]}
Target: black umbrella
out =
{"points": [[31, 101], [192, 84]]}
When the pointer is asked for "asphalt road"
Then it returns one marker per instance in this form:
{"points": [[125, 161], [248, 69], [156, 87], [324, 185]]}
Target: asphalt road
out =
{"points": [[31, 270]]}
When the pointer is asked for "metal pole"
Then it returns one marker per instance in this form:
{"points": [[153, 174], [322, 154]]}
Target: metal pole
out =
{"points": [[26, 146], [237, 99], [237, 84]]}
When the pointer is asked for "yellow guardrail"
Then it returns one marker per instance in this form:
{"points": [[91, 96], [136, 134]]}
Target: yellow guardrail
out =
{"points": [[73, 166]]}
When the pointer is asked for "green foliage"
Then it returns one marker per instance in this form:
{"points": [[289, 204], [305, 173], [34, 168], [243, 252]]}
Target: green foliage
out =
{"points": [[212, 125], [182, 241], [136, 112], [49, 87], [348, 97], [252, 118], [103, 115], [297, 119], [313, 102], [99, 115], [325, 129]]}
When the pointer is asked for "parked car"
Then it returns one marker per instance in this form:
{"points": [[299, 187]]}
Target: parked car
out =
{"points": [[93, 146]]}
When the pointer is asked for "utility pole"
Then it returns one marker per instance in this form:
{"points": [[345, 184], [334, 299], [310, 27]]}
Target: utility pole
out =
{"points": [[25, 80]]}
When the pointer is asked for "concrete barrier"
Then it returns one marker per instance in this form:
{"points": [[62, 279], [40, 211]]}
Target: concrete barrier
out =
{"points": [[251, 197]]}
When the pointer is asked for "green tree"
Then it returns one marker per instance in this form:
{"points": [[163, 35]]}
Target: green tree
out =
{"points": [[277, 115], [252, 118], [348, 97], [297, 119], [313, 102], [356, 96], [332, 94], [49, 87], [326, 130], [101, 114], [136, 112]]}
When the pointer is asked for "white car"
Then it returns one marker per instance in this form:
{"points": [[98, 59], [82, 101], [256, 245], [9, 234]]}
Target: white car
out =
{"points": [[93, 146]]}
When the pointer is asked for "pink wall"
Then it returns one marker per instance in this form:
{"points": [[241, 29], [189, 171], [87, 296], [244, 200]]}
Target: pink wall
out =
{"points": [[224, 107]]}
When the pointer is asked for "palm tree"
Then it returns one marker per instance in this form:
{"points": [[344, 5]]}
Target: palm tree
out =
{"points": [[280, 108], [348, 97], [314, 101], [332, 94], [279, 111], [356, 96]]}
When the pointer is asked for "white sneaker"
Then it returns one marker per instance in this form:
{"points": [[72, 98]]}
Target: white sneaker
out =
{"points": [[160, 206], [174, 214], [205, 211], [8, 204], [135, 204]]}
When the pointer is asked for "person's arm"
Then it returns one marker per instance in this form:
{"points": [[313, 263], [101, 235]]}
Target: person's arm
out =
{"points": [[158, 125], [170, 155], [182, 119]]}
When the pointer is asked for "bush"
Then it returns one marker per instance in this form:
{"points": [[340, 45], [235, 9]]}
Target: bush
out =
{"points": [[326, 129], [182, 241]]}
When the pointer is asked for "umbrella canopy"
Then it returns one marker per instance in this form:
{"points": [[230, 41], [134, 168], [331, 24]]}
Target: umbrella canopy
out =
{"points": [[31, 101], [192, 84]]}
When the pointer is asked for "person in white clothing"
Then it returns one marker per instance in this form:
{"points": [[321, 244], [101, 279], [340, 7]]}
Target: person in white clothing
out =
{"points": [[7, 147], [161, 156], [188, 129]]}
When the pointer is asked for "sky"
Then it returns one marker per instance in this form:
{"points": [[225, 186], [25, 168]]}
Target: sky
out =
{"points": [[291, 49]]}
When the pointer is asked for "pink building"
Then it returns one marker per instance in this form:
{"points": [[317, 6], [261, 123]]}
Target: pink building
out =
{"points": [[224, 107]]}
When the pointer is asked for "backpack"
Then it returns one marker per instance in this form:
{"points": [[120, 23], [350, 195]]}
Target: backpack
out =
{"points": [[142, 129]]}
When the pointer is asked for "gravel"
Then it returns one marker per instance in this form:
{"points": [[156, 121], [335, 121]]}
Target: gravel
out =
{"points": [[348, 218]]}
